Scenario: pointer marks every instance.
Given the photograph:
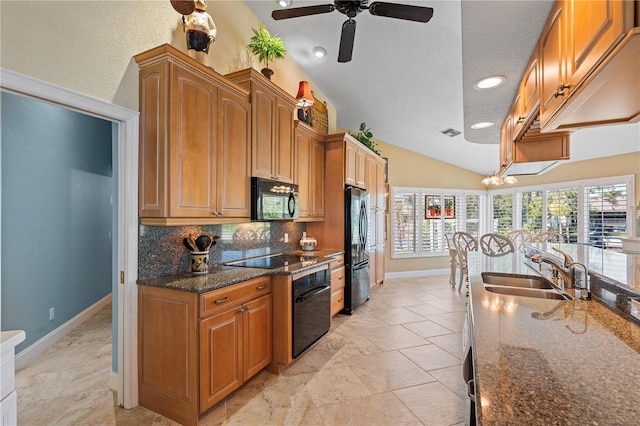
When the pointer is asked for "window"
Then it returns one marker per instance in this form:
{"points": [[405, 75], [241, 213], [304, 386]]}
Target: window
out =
{"points": [[606, 218], [421, 218], [596, 212]]}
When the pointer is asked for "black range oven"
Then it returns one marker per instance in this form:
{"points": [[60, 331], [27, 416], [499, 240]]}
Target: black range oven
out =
{"points": [[311, 294]]}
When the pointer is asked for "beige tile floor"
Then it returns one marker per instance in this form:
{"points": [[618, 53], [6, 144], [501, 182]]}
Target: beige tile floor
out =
{"points": [[396, 361]]}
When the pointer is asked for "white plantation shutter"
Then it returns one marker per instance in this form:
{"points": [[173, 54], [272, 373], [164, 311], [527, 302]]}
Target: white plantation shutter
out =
{"points": [[404, 229], [421, 217], [530, 205], [562, 213], [605, 219], [502, 213]]}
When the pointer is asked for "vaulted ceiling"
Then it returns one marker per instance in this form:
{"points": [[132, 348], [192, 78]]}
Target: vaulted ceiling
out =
{"points": [[410, 81]]}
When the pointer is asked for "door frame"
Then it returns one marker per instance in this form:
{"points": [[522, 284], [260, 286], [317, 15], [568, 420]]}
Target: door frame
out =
{"points": [[127, 296]]}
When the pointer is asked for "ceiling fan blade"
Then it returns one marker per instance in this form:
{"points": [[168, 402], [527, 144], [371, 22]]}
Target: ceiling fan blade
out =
{"points": [[401, 11], [346, 40], [296, 12]]}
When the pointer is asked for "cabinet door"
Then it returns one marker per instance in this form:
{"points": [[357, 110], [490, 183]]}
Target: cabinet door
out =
{"points": [[303, 165], [263, 133], [233, 155], [221, 352], [317, 178], [371, 181], [283, 155], [361, 171], [257, 335], [380, 171], [193, 144], [351, 165], [379, 264], [529, 86], [153, 148], [552, 61], [596, 26]]}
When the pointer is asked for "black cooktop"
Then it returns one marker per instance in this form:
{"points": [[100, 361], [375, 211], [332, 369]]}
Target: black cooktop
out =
{"points": [[274, 262]]}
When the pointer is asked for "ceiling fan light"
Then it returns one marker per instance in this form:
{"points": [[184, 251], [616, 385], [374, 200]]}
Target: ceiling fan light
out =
{"points": [[490, 82], [319, 52]]}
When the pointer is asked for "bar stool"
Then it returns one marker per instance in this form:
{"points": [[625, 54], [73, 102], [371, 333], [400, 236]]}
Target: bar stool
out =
{"points": [[496, 245], [548, 237], [464, 242], [520, 237]]}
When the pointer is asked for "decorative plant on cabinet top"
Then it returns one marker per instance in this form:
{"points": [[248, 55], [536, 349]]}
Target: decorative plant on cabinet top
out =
{"points": [[267, 48], [365, 137]]}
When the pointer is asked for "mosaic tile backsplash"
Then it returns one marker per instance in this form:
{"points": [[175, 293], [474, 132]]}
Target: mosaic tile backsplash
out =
{"points": [[161, 250]]}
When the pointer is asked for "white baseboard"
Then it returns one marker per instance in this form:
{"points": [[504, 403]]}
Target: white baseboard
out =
{"points": [[113, 381], [415, 274], [44, 343]]}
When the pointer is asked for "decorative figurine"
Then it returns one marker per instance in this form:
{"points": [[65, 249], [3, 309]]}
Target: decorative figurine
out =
{"points": [[200, 30]]}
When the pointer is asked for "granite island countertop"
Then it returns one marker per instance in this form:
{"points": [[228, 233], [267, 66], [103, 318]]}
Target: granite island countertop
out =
{"points": [[220, 276], [550, 362]]}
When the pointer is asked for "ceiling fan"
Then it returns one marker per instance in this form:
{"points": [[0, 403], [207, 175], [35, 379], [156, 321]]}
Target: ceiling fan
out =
{"points": [[351, 8]]}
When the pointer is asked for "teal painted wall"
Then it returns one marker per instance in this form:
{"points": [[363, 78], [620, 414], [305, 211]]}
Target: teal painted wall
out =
{"points": [[57, 182]]}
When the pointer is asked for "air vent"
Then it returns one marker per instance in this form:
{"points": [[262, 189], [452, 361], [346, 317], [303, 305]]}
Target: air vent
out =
{"points": [[450, 132]]}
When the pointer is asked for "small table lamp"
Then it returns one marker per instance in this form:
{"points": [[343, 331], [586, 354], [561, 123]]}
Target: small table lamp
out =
{"points": [[304, 101]]}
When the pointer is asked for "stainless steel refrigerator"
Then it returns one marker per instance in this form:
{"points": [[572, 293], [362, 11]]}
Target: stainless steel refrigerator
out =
{"points": [[356, 256]]}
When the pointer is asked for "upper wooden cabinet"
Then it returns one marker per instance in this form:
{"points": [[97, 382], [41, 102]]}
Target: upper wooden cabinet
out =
{"points": [[355, 157], [194, 142], [272, 153], [309, 147], [527, 97], [589, 64]]}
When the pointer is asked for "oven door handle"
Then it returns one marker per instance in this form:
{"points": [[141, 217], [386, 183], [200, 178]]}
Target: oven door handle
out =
{"points": [[313, 292]]}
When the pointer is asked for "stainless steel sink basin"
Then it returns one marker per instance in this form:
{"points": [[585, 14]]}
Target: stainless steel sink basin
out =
{"points": [[528, 292], [524, 281]]}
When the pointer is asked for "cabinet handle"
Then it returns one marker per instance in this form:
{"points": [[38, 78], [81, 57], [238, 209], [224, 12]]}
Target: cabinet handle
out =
{"points": [[214, 213], [521, 120], [560, 90], [341, 278], [220, 213], [261, 287], [226, 299], [340, 301]]}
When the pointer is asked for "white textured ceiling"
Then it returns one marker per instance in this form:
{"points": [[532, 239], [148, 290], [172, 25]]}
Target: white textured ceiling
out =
{"points": [[409, 81]]}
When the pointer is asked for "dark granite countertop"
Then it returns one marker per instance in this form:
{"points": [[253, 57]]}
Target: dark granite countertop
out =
{"points": [[220, 276], [550, 362]]}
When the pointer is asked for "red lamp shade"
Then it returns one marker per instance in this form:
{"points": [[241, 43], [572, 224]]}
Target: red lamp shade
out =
{"points": [[304, 97]]}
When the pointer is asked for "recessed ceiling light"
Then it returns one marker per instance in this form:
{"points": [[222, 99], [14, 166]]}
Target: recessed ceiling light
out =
{"points": [[482, 125], [489, 82], [319, 52], [283, 3]]}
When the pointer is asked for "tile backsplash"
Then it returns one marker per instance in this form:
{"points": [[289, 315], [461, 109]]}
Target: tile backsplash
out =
{"points": [[161, 250]]}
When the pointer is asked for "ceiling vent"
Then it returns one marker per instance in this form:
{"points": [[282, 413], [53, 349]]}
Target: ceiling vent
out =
{"points": [[450, 132]]}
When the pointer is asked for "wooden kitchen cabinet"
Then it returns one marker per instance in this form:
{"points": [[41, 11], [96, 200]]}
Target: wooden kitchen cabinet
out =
{"points": [[194, 142], [355, 165], [589, 64], [309, 172], [272, 109], [527, 99], [195, 349]]}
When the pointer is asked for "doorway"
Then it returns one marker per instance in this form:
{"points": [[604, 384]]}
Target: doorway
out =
{"points": [[125, 170]]}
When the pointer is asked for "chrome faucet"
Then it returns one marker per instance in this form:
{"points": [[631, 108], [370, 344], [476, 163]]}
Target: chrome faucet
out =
{"points": [[566, 271]]}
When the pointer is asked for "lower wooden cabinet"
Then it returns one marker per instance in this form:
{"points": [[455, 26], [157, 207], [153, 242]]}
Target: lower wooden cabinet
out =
{"points": [[195, 349], [337, 284]]}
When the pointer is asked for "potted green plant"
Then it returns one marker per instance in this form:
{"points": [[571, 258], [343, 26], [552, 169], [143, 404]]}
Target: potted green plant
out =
{"points": [[268, 48], [365, 137]]}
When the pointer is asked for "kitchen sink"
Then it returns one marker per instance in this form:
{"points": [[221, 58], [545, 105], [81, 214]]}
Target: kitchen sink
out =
{"points": [[511, 280], [528, 292]]}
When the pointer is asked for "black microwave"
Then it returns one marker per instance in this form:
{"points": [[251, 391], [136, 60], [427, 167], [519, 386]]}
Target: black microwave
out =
{"points": [[273, 200]]}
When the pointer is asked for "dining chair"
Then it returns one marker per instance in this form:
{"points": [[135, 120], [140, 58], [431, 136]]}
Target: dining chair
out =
{"points": [[496, 245], [548, 237], [520, 237], [464, 243], [453, 263]]}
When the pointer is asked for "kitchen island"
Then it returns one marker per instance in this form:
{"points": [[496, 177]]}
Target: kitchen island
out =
{"points": [[547, 362]]}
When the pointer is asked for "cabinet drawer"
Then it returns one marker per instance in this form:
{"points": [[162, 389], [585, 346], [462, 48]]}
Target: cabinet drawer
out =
{"points": [[337, 301], [338, 262], [337, 278], [227, 297]]}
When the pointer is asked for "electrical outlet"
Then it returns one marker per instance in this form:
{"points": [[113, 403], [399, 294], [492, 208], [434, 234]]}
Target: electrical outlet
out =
{"points": [[286, 237], [52, 314]]}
